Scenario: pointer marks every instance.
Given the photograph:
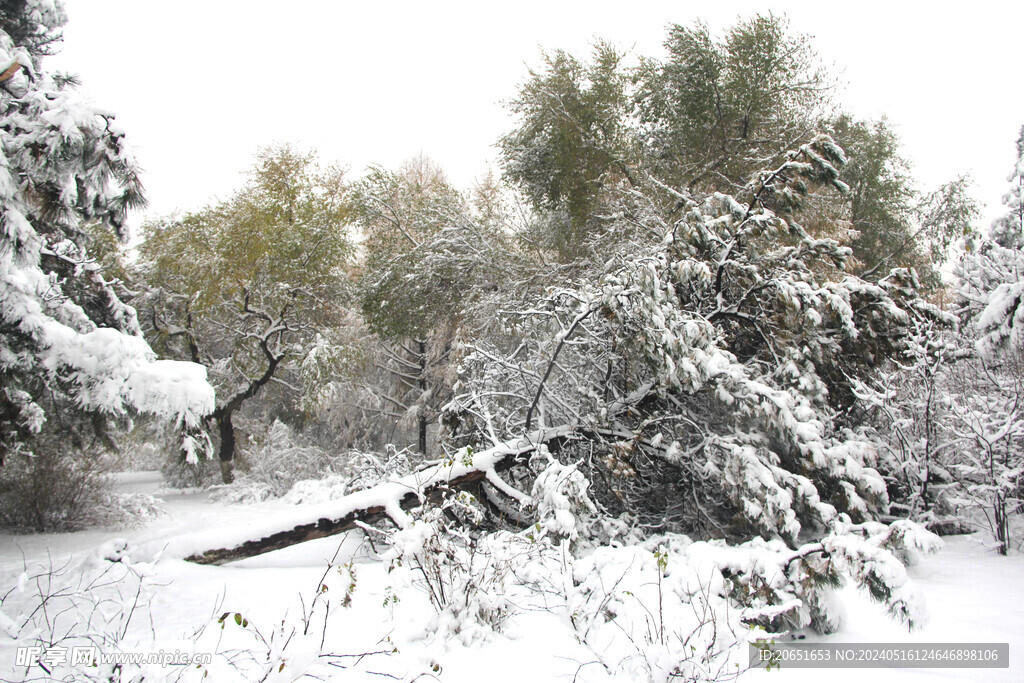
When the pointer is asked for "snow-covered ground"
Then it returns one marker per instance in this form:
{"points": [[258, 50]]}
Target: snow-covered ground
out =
{"points": [[973, 596]]}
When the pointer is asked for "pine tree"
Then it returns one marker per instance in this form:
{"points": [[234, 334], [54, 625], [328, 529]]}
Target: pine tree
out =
{"points": [[69, 348], [34, 25], [72, 358], [712, 377], [1008, 229]]}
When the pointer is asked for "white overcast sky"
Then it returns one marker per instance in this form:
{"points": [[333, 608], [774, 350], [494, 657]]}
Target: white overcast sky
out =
{"points": [[200, 85]]}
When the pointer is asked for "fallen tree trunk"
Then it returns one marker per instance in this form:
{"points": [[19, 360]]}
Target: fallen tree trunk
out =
{"points": [[391, 499]]}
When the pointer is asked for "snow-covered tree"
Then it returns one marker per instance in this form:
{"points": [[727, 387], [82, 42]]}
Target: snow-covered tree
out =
{"points": [[251, 287], [1008, 229], [992, 291], [708, 386], [714, 376], [986, 395], [429, 259], [988, 414], [34, 25], [70, 350], [909, 403], [992, 276]]}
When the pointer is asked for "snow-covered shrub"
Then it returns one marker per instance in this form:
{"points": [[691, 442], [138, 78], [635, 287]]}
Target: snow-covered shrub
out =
{"points": [[650, 614], [952, 414], [311, 491], [988, 457], [92, 603], [272, 464], [671, 608], [179, 473], [354, 471], [563, 507], [474, 581], [63, 482], [57, 487], [794, 589], [299, 644], [124, 509], [909, 406], [369, 468]]}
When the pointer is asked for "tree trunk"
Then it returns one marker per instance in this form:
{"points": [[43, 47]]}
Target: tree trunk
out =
{"points": [[1002, 524], [224, 414], [227, 447], [423, 388]]}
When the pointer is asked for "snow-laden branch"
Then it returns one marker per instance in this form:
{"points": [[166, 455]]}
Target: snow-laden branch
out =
{"points": [[387, 500]]}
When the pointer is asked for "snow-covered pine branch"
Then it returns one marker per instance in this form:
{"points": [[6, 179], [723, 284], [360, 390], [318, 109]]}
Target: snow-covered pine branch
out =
{"points": [[67, 340]]}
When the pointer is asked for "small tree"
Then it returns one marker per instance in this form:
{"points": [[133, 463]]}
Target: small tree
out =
{"points": [[429, 258], [988, 412], [244, 287], [989, 408]]}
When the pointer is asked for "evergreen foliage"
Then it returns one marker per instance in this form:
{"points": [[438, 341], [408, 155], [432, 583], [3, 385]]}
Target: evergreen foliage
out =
{"points": [[71, 352], [713, 374], [1008, 229]]}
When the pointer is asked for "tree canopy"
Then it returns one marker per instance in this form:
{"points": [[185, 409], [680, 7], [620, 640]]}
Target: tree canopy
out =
{"points": [[244, 286]]}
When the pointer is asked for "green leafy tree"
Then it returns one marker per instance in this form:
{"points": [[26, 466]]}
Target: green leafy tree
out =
{"points": [[881, 194], [399, 212], [572, 141], [708, 117], [717, 110], [245, 287], [896, 227]]}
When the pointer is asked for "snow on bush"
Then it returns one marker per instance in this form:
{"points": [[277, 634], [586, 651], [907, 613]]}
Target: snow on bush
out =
{"points": [[672, 608], [54, 490], [467, 578], [650, 614], [90, 602], [282, 463], [125, 510], [560, 496], [359, 470], [101, 601], [273, 463]]}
